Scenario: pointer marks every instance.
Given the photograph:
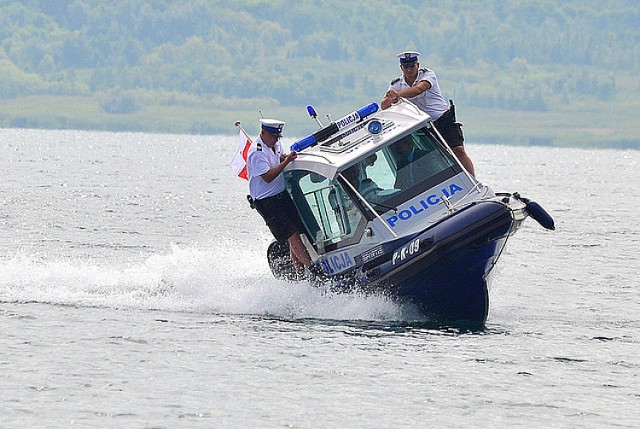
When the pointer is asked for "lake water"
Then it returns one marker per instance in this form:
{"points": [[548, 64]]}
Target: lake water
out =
{"points": [[134, 292]]}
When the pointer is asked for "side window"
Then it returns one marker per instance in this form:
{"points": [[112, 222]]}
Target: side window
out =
{"points": [[419, 162], [433, 160], [378, 169], [329, 215]]}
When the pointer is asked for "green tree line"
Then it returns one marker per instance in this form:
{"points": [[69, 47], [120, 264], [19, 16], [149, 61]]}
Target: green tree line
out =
{"points": [[521, 55]]}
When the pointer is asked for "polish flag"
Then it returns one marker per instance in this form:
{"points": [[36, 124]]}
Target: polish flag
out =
{"points": [[239, 161]]}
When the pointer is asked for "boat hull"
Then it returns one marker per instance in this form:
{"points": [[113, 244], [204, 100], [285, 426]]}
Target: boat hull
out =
{"points": [[444, 269], [448, 277], [453, 290]]}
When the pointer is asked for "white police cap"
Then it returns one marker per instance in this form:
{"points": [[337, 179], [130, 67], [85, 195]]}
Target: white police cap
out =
{"points": [[408, 57], [273, 126]]}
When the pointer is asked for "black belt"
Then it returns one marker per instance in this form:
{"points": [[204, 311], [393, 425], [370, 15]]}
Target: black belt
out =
{"points": [[279, 196]]}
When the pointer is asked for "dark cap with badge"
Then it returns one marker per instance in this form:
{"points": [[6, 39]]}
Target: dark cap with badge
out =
{"points": [[408, 58], [273, 126]]}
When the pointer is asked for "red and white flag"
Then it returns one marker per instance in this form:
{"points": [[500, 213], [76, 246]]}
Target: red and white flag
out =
{"points": [[239, 161]]}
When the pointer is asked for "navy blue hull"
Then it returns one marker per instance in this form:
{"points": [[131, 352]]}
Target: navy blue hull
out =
{"points": [[454, 290], [442, 269], [447, 276]]}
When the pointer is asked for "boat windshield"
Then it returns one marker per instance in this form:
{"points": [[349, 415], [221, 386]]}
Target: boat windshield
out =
{"points": [[402, 170], [335, 216]]}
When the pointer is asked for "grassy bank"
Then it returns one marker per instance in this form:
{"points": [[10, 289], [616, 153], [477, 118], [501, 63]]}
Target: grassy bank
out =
{"points": [[581, 124]]}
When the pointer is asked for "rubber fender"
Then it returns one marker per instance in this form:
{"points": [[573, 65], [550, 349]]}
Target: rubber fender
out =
{"points": [[536, 211]]}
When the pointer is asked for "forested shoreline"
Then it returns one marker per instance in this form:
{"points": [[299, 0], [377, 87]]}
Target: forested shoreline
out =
{"points": [[148, 65]]}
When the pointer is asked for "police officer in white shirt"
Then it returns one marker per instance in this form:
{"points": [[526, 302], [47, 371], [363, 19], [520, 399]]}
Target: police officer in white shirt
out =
{"points": [[265, 163], [421, 87]]}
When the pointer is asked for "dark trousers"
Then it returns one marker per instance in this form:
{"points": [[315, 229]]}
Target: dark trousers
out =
{"points": [[280, 215], [450, 130]]}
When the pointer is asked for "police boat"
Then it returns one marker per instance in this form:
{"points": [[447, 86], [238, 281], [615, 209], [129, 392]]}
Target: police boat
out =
{"points": [[388, 209]]}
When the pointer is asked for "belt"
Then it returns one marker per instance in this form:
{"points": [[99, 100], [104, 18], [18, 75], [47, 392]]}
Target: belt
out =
{"points": [[279, 196]]}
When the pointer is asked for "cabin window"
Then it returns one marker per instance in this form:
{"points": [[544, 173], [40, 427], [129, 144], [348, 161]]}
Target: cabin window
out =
{"points": [[417, 158], [327, 211], [334, 216], [401, 170]]}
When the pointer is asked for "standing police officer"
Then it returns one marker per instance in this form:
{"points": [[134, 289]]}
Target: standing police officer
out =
{"points": [[421, 87], [265, 164]]}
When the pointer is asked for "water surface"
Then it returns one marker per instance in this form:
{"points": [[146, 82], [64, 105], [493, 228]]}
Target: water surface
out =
{"points": [[134, 292]]}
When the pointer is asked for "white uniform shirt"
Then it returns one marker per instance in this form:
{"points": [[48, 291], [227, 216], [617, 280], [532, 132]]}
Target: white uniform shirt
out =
{"points": [[260, 160], [430, 101]]}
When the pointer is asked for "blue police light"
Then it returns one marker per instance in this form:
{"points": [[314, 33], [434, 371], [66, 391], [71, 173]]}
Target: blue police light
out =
{"points": [[326, 132], [367, 110], [357, 115], [374, 127], [311, 111], [304, 143]]}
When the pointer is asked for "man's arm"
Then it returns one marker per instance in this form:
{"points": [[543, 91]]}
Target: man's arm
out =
{"points": [[275, 171], [415, 90], [392, 95]]}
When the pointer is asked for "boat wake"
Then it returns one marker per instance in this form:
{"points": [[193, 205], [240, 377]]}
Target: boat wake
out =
{"points": [[209, 280]]}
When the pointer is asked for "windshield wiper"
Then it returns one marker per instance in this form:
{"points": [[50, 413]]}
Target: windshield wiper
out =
{"points": [[395, 209]]}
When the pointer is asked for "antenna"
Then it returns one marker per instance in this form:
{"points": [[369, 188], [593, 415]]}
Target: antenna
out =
{"points": [[261, 115]]}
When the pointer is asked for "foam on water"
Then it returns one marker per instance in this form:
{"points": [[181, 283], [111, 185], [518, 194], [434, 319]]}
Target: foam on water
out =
{"points": [[220, 279]]}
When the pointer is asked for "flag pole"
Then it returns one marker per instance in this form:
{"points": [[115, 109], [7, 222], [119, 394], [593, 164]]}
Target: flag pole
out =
{"points": [[237, 124]]}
